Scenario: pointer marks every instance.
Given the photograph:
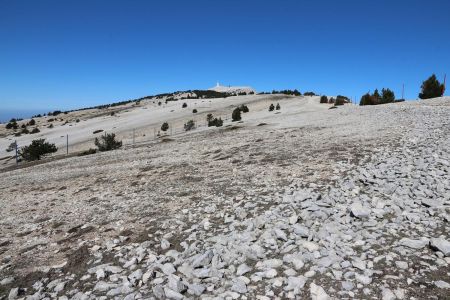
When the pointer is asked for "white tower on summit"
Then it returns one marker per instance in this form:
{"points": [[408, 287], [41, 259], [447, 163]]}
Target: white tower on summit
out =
{"points": [[217, 84]]}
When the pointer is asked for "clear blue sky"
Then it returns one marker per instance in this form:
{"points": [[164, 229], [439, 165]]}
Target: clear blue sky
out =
{"points": [[69, 54]]}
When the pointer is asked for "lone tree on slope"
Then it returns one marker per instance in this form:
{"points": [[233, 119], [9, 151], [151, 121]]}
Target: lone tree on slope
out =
{"points": [[37, 149], [431, 88]]}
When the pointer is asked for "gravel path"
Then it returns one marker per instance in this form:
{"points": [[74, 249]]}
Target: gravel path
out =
{"points": [[336, 204]]}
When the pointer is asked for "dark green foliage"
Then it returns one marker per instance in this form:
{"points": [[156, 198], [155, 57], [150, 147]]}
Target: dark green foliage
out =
{"points": [[37, 149], [278, 107], [55, 113], [324, 99], [32, 122], [194, 111], [11, 147], [431, 88], [215, 122], [288, 92], [159, 103], [189, 125], [341, 100], [112, 113], [184, 105], [332, 100], [50, 126], [236, 115], [244, 108], [209, 117], [387, 96], [376, 95], [368, 99], [77, 121], [25, 131], [165, 126], [12, 124], [309, 94], [271, 107], [35, 130], [107, 142]]}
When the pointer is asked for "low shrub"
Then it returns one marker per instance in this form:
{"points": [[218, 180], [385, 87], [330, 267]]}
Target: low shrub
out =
{"points": [[271, 107], [218, 122], [189, 125], [11, 147], [309, 94], [278, 107], [165, 126], [194, 111], [35, 130], [324, 99], [244, 108], [31, 123], [236, 115], [37, 149], [12, 124], [107, 142], [184, 105]]}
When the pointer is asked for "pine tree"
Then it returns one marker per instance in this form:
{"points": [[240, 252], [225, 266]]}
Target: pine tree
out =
{"points": [[271, 107], [431, 88], [387, 96], [278, 107]]}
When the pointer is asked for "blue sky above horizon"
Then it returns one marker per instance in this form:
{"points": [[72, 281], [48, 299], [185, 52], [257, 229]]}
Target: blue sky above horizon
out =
{"points": [[71, 54]]}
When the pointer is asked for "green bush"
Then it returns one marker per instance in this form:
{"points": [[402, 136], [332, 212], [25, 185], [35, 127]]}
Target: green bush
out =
{"points": [[165, 126], [194, 111], [107, 142], [431, 88], [35, 130], [278, 107], [184, 105], [324, 99], [271, 107], [11, 147], [32, 122], [244, 108], [12, 124], [215, 122], [37, 149], [189, 125], [236, 115], [209, 117]]}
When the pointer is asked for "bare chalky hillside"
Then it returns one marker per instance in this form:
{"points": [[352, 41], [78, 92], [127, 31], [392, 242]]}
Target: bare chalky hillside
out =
{"points": [[304, 202]]}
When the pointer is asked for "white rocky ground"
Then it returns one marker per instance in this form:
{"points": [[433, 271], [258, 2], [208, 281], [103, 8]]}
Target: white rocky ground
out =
{"points": [[323, 204]]}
